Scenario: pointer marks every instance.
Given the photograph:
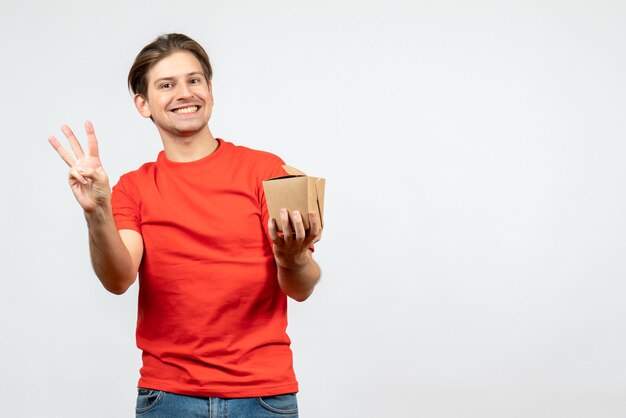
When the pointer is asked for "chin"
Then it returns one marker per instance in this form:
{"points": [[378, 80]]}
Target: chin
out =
{"points": [[186, 131]]}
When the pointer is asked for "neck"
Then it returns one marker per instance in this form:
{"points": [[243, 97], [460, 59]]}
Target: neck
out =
{"points": [[189, 148]]}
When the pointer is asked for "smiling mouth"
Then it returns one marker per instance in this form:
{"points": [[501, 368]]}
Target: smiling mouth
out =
{"points": [[185, 110]]}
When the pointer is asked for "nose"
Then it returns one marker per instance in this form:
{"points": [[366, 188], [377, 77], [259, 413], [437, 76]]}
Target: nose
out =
{"points": [[184, 91]]}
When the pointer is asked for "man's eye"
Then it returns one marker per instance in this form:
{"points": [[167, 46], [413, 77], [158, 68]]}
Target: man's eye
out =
{"points": [[194, 81], [166, 85]]}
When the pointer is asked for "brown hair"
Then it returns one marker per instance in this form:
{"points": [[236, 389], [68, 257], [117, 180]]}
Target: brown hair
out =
{"points": [[160, 48]]}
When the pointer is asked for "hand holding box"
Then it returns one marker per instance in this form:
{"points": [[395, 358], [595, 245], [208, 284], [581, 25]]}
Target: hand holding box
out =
{"points": [[296, 191]]}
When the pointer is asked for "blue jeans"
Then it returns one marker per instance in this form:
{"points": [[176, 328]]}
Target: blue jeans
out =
{"points": [[159, 404]]}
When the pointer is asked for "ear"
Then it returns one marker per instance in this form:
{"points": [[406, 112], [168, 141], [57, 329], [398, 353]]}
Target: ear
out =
{"points": [[141, 103]]}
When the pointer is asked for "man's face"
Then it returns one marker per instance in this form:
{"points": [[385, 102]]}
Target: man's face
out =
{"points": [[179, 98]]}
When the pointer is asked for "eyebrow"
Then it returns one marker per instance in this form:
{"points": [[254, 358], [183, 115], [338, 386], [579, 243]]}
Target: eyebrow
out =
{"points": [[158, 80]]}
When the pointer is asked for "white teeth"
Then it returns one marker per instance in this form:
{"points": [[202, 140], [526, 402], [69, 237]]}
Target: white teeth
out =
{"points": [[186, 110]]}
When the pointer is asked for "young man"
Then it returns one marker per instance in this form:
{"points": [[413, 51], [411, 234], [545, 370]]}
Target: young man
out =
{"points": [[214, 272]]}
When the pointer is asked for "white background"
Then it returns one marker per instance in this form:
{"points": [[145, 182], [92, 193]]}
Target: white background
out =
{"points": [[474, 254]]}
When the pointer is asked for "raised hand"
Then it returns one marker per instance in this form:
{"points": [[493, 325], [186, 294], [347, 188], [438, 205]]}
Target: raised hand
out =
{"points": [[297, 271], [290, 248], [87, 178]]}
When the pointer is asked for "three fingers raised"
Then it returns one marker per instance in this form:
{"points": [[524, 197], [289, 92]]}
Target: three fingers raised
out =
{"points": [[70, 160]]}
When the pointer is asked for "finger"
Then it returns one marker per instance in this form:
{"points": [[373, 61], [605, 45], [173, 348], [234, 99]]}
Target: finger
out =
{"points": [[273, 229], [92, 142], [298, 225], [86, 172], [65, 155], [78, 150], [74, 173], [284, 219], [315, 232]]}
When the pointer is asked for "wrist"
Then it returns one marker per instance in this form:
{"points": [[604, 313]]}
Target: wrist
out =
{"points": [[99, 213], [293, 263]]}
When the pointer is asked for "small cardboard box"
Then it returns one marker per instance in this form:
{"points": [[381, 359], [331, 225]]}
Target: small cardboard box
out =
{"points": [[296, 191]]}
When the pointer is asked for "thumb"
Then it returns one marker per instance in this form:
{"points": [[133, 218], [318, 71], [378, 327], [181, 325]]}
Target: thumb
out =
{"points": [[85, 171], [95, 174]]}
